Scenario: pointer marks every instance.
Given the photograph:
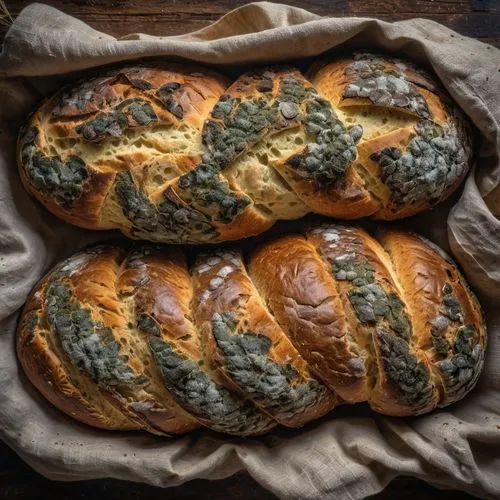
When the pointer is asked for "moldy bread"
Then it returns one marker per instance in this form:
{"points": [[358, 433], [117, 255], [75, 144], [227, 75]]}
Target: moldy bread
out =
{"points": [[177, 154], [124, 337]]}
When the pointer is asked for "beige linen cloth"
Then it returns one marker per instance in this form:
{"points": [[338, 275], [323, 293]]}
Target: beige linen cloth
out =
{"points": [[351, 453]]}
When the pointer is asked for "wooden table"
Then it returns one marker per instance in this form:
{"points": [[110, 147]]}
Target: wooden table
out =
{"points": [[474, 18]]}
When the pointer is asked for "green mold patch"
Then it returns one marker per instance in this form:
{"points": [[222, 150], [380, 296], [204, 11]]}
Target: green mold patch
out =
{"points": [[275, 387], [374, 306], [459, 359], [369, 300], [324, 160], [451, 307], [30, 324], [409, 375], [236, 124], [440, 343], [435, 160], [83, 98], [89, 345], [205, 185], [212, 403], [148, 325], [266, 83], [461, 369], [135, 204], [384, 86], [165, 94], [450, 314], [63, 180], [168, 221], [140, 84], [129, 113]]}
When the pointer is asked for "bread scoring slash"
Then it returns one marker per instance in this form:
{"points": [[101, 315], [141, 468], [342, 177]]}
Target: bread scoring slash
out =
{"points": [[177, 154], [136, 337]]}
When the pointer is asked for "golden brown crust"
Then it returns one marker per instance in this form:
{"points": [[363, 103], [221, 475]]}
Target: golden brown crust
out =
{"points": [[95, 288], [86, 211], [333, 78], [81, 321], [346, 199], [306, 304], [415, 149], [226, 295], [79, 141], [174, 154], [444, 308], [131, 338], [47, 372], [378, 313]]}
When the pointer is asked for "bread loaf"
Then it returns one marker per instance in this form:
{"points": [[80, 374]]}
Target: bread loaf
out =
{"points": [[176, 154], [140, 338]]}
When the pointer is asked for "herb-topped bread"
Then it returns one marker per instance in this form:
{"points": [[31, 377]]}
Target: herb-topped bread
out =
{"points": [[140, 338], [177, 154]]}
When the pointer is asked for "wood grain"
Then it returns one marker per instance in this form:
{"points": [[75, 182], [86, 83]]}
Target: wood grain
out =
{"points": [[477, 18]]}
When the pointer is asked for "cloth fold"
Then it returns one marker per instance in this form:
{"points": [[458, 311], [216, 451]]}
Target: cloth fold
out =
{"points": [[351, 453]]}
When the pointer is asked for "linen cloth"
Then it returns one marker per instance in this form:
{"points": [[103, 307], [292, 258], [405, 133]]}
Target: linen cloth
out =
{"points": [[350, 453]]}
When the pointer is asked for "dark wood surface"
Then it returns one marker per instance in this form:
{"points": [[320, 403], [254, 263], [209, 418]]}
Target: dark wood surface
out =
{"points": [[475, 18]]}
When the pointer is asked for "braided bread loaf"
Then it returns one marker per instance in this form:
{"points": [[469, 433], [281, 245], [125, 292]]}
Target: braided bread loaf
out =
{"points": [[134, 338], [173, 155]]}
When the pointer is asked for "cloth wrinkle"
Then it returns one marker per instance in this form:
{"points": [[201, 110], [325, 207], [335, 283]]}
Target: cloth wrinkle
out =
{"points": [[349, 454]]}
